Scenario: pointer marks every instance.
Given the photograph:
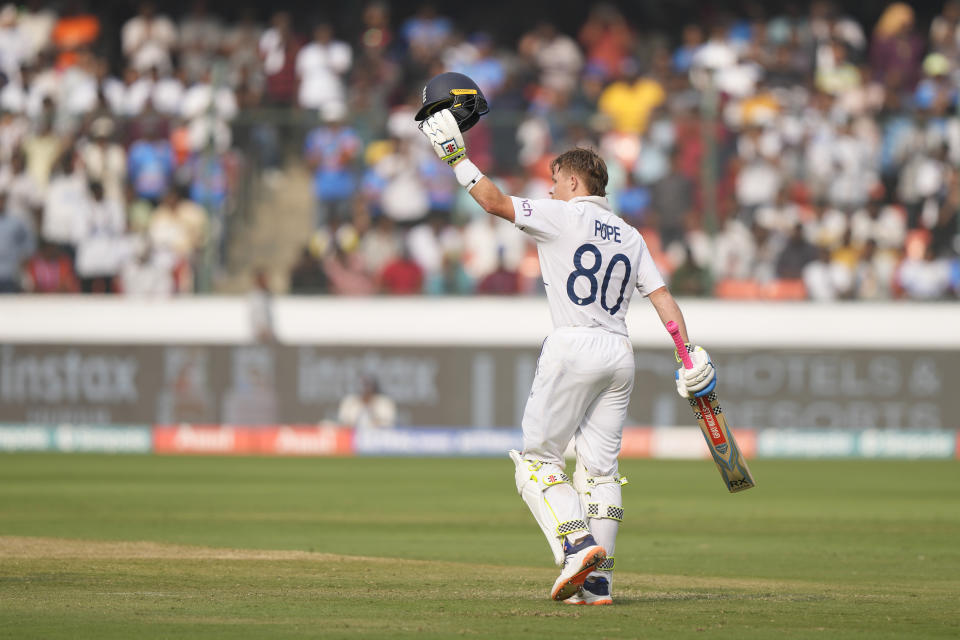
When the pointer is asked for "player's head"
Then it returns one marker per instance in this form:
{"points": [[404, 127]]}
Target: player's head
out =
{"points": [[578, 172]]}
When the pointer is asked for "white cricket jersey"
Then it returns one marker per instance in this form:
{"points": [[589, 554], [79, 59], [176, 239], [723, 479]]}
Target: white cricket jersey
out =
{"points": [[591, 260]]}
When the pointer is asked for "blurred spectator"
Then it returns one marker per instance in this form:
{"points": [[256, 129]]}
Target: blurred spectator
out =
{"points": [[690, 279], [148, 39], [556, 56], [41, 149], [945, 31], [35, 24], [150, 164], [50, 270], [139, 211], [482, 65], [885, 225], [691, 41], [17, 243], [278, 53], [146, 274], [241, 44], [501, 281], [330, 151], [178, 226], [380, 245], [897, 48], [201, 37], [672, 202], [404, 198], [98, 232], [450, 280], [370, 409], [166, 92], [345, 271], [307, 275], [376, 35], [426, 33], [13, 45], [925, 278], [796, 254], [401, 276], [207, 110], [73, 31], [128, 97], [260, 306], [607, 38], [873, 273], [487, 241], [321, 66], [430, 240], [65, 195], [24, 195], [631, 99], [103, 159]]}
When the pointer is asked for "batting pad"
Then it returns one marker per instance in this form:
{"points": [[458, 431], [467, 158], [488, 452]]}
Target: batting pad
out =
{"points": [[602, 498], [559, 513]]}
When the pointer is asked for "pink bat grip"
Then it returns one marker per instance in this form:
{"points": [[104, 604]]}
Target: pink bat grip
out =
{"points": [[674, 330]]}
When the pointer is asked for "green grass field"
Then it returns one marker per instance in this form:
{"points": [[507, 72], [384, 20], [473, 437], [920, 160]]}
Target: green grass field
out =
{"points": [[153, 547]]}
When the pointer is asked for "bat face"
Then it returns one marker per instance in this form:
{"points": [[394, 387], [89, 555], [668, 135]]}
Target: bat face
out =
{"points": [[705, 412], [723, 447]]}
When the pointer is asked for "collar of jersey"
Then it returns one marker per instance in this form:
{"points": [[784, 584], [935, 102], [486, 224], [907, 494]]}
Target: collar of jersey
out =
{"points": [[600, 201]]}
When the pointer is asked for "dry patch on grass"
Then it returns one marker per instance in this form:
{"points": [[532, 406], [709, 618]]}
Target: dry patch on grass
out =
{"points": [[35, 548], [635, 587], [642, 585]]}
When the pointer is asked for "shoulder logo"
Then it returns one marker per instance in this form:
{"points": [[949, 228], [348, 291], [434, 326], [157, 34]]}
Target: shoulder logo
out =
{"points": [[527, 207]]}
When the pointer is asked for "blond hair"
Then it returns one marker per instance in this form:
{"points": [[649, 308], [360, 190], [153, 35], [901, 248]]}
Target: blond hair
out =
{"points": [[588, 166]]}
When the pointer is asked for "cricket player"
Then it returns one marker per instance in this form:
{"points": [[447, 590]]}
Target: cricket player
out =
{"points": [[591, 261]]}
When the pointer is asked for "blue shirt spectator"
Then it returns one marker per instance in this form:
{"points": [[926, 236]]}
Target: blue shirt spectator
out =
{"points": [[209, 185], [633, 201], [17, 242], [427, 31], [150, 166], [330, 151], [440, 185]]}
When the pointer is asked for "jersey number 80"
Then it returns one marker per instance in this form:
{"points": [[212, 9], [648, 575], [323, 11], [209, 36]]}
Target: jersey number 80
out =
{"points": [[590, 275]]}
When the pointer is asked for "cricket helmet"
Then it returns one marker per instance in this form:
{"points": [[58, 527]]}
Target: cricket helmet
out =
{"points": [[456, 92]]}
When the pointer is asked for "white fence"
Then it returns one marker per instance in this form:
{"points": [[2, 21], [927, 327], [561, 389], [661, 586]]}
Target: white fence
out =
{"points": [[385, 321]]}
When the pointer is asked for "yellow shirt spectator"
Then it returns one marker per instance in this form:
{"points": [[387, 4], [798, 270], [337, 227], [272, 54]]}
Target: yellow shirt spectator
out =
{"points": [[629, 104]]}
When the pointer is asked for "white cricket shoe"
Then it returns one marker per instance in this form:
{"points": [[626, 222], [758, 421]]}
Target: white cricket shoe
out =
{"points": [[594, 591], [580, 560]]}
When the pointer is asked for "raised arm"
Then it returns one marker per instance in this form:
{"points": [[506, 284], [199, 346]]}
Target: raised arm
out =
{"points": [[488, 195], [447, 141]]}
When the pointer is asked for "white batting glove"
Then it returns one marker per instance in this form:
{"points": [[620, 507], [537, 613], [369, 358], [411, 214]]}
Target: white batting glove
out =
{"points": [[701, 379], [442, 131]]}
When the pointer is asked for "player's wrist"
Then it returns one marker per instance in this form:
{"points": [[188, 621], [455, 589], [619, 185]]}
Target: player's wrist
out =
{"points": [[456, 157], [467, 173]]}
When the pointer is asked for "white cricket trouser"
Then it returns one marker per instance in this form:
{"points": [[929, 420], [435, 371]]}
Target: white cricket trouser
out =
{"points": [[581, 389]]}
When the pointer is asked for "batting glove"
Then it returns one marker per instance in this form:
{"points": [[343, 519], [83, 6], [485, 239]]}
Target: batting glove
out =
{"points": [[701, 379], [442, 131]]}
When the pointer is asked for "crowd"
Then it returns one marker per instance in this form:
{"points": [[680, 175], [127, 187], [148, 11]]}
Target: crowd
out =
{"points": [[796, 155], [115, 172], [783, 156]]}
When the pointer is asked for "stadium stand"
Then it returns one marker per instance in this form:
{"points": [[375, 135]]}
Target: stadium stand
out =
{"points": [[789, 156]]}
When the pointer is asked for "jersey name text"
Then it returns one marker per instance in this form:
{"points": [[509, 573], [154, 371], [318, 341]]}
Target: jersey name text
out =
{"points": [[606, 231]]}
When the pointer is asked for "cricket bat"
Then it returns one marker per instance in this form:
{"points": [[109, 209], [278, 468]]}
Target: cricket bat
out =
{"points": [[730, 462]]}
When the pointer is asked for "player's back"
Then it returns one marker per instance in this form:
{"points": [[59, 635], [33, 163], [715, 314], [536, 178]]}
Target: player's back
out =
{"points": [[591, 260]]}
